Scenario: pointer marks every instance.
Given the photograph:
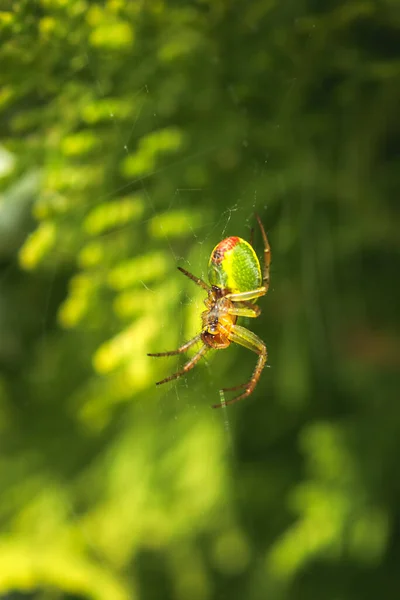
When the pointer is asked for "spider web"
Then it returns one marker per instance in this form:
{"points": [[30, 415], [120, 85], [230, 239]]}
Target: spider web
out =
{"points": [[348, 211]]}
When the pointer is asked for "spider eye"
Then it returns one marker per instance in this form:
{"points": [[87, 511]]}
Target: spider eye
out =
{"points": [[213, 327]]}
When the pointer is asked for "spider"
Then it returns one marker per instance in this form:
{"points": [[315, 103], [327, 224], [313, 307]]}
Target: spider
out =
{"points": [[236, 282]]}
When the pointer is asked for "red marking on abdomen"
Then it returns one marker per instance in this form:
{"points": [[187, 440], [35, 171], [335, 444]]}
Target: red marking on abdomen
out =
{"points": [[224, 246]]}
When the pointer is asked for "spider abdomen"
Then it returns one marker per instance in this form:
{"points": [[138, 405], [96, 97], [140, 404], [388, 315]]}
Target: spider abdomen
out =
{"points": [[235, 266]]}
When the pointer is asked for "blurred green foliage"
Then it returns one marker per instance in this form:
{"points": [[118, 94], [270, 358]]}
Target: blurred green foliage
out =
{"points": [[135, 136]]}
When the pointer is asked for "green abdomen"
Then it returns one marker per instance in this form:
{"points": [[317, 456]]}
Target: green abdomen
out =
{"points": [[234, 265]]}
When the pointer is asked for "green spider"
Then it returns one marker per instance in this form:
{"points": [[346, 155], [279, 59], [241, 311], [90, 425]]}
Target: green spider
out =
{"points": [[236, 282]]}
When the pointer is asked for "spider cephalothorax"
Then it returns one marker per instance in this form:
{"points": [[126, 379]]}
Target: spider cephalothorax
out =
{"points": [[236, 282], [217, 319]]}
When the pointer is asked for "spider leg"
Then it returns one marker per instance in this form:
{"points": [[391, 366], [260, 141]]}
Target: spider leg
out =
{"points": [[181, 349], [249, 304], [245, 311], [267, 255], [249, 295], [248, 339], [189, 365], [197, 280], [235, 387]]}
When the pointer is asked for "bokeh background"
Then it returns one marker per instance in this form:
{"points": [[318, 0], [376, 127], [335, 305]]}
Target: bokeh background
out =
{"points": [[134, 137]]}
